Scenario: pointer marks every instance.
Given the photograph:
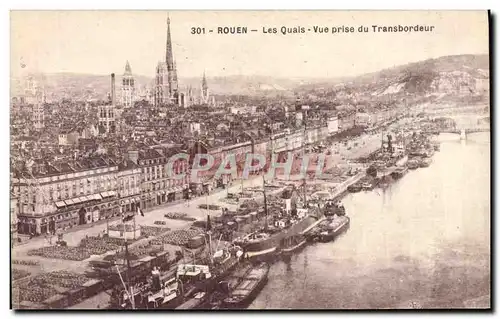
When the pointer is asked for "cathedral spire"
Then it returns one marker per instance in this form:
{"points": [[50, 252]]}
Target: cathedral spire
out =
{"points": [[169, 57], [128, 70], [174, 70], [204, 85]]}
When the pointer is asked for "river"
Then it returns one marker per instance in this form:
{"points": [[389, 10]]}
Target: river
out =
{"points": [[424, 241]]}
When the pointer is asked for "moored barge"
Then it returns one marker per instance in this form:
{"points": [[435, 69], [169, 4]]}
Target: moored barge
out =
{"points": [[335, 226], [247, 288]]}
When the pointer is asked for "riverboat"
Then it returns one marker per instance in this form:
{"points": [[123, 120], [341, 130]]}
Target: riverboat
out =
{"points": [[333, 228], [268, 242], [247, 288]]}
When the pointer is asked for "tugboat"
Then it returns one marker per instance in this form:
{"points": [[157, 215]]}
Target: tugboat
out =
{"points": [[247, 288]]}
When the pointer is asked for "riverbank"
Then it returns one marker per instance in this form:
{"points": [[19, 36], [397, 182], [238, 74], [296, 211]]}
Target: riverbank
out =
{"points": [[413, 244]]}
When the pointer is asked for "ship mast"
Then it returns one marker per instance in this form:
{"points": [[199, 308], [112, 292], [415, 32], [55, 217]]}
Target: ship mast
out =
{"points": [[264, 180], [265, 199], [129, 289], [303, 159], [129, 269], [382, 140], [209, 233]]}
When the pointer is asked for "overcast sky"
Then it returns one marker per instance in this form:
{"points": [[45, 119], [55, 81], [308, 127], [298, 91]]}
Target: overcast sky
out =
{"points": [[100, 42]]}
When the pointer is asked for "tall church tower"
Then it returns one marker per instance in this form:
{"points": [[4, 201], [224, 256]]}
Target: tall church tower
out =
{"points": [[37, 99], [128, 87], [38, 114], [171, 66], [106, 113], [205, 94], [161, 96]]}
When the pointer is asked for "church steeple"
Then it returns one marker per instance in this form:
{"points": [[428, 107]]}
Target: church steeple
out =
{"points": [[204, 84], [204, 90], [169, 55], [174, 77], [128, 70], [128, 89]]}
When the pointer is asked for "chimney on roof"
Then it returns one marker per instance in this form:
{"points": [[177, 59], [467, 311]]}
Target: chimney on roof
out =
{"points": [[113, 94]]}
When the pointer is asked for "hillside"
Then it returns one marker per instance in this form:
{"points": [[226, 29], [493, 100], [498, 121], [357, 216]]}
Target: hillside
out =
{"points": [[437, 78], [244, 85]]}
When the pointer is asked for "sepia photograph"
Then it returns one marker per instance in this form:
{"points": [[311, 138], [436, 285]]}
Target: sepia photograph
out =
{"points": [[250, 160]]}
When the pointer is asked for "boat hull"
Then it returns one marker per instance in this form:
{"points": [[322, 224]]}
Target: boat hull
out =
{"points": [[397, 175], [291, 250], [354, 189], [325, 238], [243, 300], [247, 300], [270, 247], [207, 285]]}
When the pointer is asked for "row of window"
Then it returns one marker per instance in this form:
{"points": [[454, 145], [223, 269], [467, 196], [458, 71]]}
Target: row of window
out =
{"points": [[160, 160], [165, 184], [151, 173], [87, 188], [109, 113], [66, 191], [131, 182]]}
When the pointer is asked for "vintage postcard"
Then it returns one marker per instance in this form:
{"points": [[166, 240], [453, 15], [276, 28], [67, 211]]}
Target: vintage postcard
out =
{"points": [[250, 160]]}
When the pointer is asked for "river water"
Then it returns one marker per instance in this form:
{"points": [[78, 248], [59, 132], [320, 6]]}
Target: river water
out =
{"points": [[424, 241]]}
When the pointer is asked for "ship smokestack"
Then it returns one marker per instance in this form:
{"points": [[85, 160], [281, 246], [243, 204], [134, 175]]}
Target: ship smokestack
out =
{"points": [[113, 94]]}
